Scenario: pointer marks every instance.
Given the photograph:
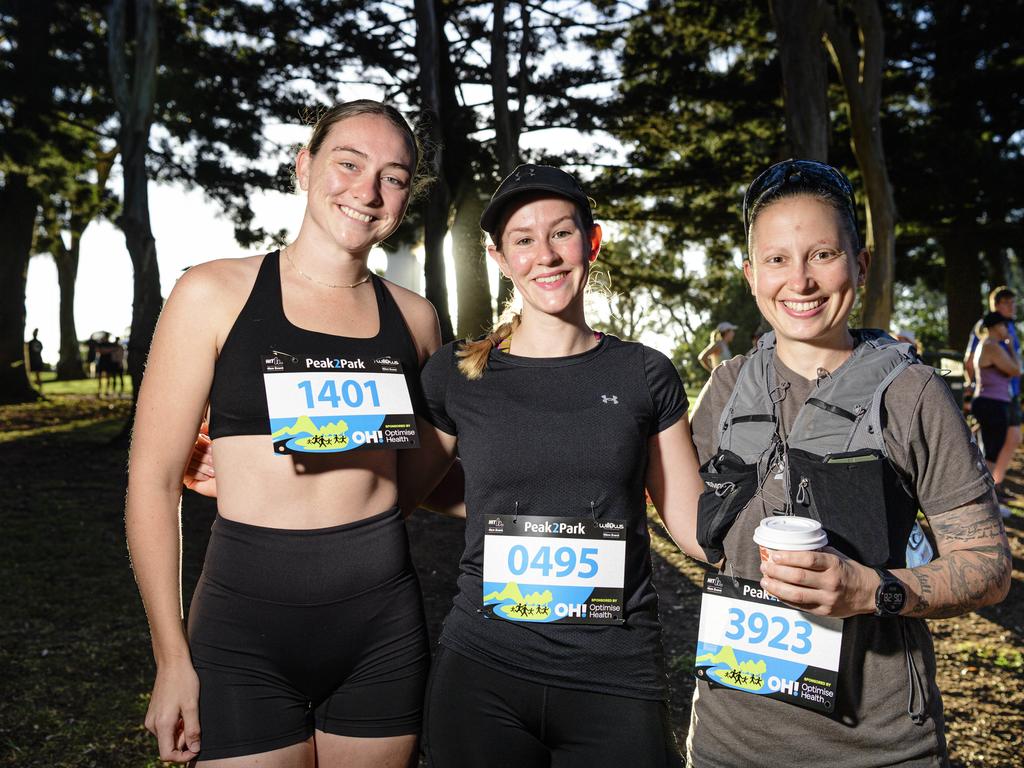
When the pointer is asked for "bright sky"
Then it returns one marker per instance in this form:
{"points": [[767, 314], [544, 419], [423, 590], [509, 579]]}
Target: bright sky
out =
{"points": [[188, 230]]}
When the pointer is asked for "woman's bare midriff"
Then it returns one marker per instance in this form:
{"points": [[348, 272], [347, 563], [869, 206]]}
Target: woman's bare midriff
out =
{"points": [[299, 491]]}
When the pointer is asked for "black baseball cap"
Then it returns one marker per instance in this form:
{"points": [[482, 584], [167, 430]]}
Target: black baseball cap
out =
{"points": [[993, 318], [533, 178]]}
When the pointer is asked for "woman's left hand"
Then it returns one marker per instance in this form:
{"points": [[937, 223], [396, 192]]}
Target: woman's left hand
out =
{"points": [[823, 582]]}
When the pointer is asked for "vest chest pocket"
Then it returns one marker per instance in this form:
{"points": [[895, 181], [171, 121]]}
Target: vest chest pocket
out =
{"points": [[729, 485], [856, 499]]}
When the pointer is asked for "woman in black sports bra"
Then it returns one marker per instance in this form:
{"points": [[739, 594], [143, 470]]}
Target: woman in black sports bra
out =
{"points": [[305, 642]]}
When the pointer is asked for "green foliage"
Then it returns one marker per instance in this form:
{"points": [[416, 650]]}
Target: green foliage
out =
{"points": [[922, 310]]}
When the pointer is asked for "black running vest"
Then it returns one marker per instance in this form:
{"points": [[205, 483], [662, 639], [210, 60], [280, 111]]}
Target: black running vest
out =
{"points": [[238, 402], [834, 459]]}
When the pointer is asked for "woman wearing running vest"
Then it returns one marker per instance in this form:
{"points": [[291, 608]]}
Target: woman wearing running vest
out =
{"points": [[847, 427], [995, 367], [305, 642], [552, 654]]}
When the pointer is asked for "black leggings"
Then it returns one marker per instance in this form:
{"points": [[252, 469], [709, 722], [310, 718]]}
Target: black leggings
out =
{"points": [[994, 418], [291, 629], [478, 716]]}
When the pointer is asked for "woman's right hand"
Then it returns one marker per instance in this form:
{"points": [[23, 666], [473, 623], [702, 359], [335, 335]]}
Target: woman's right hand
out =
{"points": [[199, 473], [173, 714]]}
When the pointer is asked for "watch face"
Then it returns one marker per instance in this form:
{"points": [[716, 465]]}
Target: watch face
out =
{"points": [[891, 597]]}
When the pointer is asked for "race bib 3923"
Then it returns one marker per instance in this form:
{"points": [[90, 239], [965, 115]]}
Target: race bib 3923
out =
{"points": [[750, 641]]}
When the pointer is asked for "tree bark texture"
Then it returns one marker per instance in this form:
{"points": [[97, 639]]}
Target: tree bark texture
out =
{"points": [[476, 314], [69, 366], [508, 123], [799, 28], [18, 206], [861, 75], [135, 93], [28, 130], [964, 302], [438, 202]]}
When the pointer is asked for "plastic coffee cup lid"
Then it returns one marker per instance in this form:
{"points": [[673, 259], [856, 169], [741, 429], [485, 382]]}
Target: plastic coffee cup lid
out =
{"points": [[793, 533]]}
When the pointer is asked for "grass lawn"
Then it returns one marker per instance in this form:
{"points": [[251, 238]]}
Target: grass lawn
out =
{"points": [[78, 387]]}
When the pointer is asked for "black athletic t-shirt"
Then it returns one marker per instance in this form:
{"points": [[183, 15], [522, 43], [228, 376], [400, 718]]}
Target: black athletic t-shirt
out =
{"points": [[559, 436]]}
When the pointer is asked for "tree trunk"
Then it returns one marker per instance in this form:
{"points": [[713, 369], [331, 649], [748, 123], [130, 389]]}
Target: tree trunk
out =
{"points": [[135, 94], [861, 74], [18, 206], [799, 28], [67, 259], [31, 75], [964, 302], [69, 366], [438, 202], [476, 315], [508, 124]]}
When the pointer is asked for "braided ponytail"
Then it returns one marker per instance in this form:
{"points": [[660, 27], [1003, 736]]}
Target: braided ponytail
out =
{"points": [[473, 354]]}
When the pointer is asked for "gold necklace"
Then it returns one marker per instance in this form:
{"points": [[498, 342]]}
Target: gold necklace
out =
{"points": [[288, 255]]}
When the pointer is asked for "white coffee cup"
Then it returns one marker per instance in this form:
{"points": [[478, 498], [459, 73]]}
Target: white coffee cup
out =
{"points": [[789, 533]]}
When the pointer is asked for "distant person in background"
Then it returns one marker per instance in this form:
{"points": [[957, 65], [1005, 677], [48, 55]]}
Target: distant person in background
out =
{"points": [[761, 330], [35, 358], [1004, 301], [90, 356], [116, 367], [718, 350], [104, 362], [994, 368]]}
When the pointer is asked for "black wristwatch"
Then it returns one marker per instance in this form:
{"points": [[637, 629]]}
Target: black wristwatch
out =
{"points": [[890, 595]]}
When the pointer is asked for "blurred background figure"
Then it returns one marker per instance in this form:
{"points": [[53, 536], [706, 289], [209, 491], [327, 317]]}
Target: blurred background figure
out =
{"points": [[35, 358], [761, 330], [104, 363], [994, 366], [116, 377], [718, 350], [1003, 301]]}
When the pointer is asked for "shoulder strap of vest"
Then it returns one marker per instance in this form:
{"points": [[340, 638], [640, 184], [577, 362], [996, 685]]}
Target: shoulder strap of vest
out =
{"points": [[752, 396], [868, 433], [842, 415]]}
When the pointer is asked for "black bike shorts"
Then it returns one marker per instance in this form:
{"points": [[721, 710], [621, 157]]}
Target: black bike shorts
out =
{"points": [[481, 716], [291, 629], [993, 417]]}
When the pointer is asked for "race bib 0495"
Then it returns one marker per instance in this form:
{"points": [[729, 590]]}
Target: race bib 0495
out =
{"points": [[320, 404], [567, 570], [751, 641]]}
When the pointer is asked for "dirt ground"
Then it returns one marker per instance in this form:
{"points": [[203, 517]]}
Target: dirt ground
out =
{"points": [[75, 666]]}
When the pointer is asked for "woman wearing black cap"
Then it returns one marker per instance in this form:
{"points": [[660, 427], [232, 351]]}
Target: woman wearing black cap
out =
{"points": [[844, 426], [551, 654]]}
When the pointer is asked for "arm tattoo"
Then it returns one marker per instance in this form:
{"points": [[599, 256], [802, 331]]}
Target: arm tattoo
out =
{"points": [[974, 521], [967, 577]]}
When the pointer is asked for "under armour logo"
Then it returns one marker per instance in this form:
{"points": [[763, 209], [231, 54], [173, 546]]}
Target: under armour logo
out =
{"points": [[613, 399]]}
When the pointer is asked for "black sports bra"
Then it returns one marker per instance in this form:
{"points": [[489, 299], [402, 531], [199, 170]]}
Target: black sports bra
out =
{"points": [[238, 402]]}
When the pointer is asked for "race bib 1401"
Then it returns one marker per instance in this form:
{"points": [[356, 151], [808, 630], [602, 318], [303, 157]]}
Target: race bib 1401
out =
{"points": [[327, 405], [750, 641], [565, 570]]}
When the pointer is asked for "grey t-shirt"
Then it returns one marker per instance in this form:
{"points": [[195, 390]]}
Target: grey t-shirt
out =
{"points": [[930, 445]]}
